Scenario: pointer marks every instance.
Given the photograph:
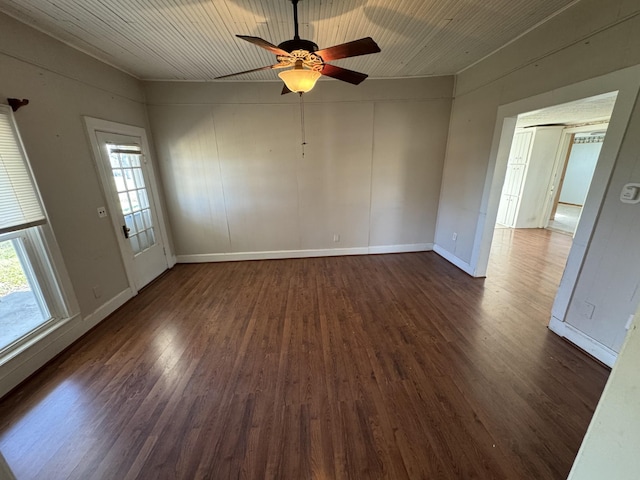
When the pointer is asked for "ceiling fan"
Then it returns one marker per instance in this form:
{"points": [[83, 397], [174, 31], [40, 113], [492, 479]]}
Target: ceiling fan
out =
{"points": [[308, 62]]}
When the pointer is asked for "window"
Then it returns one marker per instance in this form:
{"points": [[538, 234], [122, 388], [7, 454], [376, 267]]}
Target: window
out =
{"points": [[31, 299]]}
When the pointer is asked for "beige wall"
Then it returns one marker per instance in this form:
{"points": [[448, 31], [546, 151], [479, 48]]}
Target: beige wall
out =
{"points": [[62, 85], [589, 40], [236, 181]]}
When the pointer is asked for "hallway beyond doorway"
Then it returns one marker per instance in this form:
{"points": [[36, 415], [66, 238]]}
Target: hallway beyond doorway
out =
{"points": [[565, 219]]}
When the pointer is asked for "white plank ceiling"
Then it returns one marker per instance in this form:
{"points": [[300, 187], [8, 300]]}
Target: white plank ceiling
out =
{"points": [[195, 39]]}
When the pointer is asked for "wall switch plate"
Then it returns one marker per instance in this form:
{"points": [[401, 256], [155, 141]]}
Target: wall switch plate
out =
{"points": [[102, 212], [630, 193]]}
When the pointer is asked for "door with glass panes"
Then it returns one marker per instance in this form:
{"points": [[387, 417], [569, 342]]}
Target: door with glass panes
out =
{"points": [[132, 206]]}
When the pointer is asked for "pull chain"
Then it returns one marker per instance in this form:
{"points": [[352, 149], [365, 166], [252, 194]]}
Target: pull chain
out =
{"points": [[302, 123]]}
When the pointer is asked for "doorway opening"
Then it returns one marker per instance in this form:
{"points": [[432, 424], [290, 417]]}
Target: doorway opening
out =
{"points": [[551, 161], [575, 176], [625, 83]]}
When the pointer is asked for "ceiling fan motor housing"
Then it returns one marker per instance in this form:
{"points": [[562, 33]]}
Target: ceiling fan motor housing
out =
{"points": [[298, 44]]}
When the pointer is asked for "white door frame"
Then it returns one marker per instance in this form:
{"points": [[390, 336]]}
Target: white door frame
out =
{"points": [[626, 83], [561, 157], [95, 125]]}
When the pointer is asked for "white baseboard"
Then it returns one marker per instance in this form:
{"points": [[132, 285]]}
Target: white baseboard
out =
{"points": [[450, 257], [107, 309], [413, 247], [279, 254], [45, 346], [583, 341]]}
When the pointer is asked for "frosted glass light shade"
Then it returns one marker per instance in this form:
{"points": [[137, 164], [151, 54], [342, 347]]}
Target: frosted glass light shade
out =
{"points": [[300, 80]]}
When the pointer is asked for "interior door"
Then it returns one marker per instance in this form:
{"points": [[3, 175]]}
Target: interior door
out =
{"points": [[132, 206]]}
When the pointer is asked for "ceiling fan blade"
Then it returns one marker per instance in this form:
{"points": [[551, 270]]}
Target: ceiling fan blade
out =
{"points": [[264, 44], [268, 67], [364, 46], [343, 74], [285, 90]]}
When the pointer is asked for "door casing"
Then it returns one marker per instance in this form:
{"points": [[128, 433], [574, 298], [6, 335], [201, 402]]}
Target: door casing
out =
{"points": [[95, 125]]}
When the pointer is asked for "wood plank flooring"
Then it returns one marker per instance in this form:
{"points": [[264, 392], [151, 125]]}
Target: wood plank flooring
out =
{"points": [[364, 367]]}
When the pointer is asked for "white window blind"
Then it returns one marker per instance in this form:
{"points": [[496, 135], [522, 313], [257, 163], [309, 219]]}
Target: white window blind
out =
{"points": [[19, 202]]}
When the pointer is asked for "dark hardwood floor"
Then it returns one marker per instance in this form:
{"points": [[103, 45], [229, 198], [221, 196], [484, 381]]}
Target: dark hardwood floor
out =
{"points": [[387, 366]]}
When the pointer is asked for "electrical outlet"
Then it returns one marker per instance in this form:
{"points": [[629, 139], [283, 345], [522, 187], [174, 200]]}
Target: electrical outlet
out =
{"points": [[454, 237], [629, 322], [336, 237], [587, 309], [102, 212], [97, 291]]}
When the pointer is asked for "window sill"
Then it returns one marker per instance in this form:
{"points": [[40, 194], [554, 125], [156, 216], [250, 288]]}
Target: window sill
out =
{"points": [[33, 338]]}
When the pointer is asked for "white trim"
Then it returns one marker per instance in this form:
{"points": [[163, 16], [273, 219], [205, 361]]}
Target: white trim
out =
{"points": [[412, 247], [108, 308], [272, 255], [450, 257], [280, 254], [31, 339], [501, 146], [36, 353], [583, 341]]}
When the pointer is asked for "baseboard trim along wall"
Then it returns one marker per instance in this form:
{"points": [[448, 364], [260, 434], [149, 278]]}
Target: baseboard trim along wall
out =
{"points": [[53, 341], [107, 309], [280, 254], [450, 257], [583, 341]]}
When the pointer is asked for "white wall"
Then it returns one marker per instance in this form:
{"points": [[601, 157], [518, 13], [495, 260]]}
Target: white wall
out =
{"points": [[62, 85], [610, 446], [580, 167], [237, 185], [590, 39]]}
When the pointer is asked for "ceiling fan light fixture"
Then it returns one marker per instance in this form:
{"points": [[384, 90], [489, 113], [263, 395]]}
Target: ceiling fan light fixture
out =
{"points": [[300, 79]]}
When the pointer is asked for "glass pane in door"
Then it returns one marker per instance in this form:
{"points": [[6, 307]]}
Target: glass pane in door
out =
{"points": [[126, 168]]}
